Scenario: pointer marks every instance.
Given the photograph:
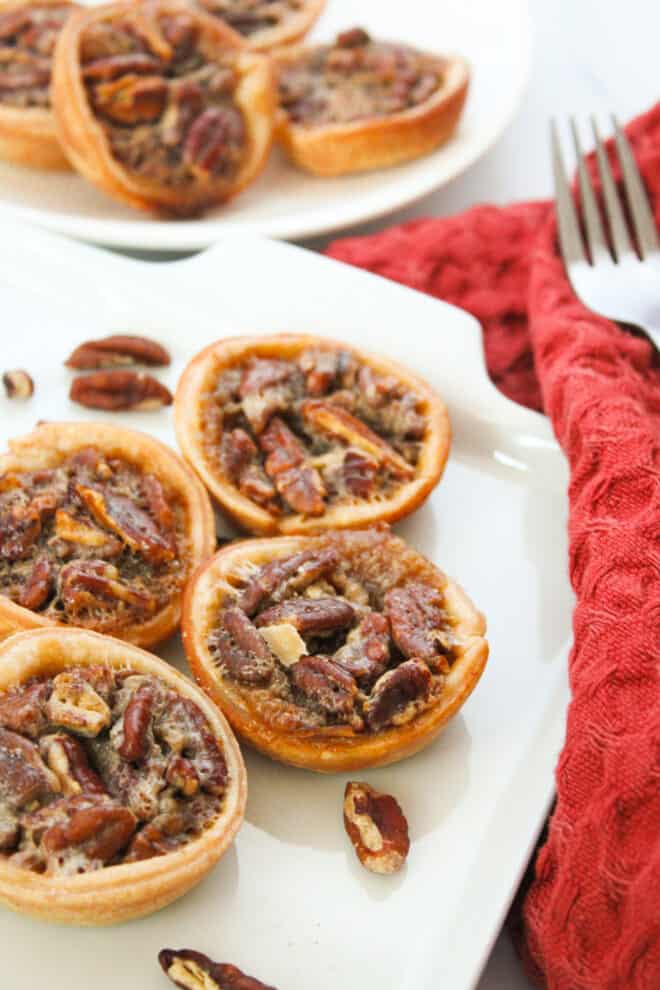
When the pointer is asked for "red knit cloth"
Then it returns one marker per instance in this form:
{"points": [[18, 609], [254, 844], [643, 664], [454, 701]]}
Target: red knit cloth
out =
{"points": [[591, 918]]}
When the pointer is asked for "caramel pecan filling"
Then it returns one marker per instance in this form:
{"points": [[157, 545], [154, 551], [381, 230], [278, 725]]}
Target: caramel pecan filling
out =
{"points": [[99, 767], [355, 79], [165, 97], [92, 542], [353, 632], [27, 41], [297, 436], [251, 17]]}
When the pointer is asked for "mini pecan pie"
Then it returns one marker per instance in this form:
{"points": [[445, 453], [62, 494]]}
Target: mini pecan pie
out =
{"points": [[100, 527], [361, 104], [298, 434], [28, 32], [333, 652], [161, 105], [265, 24], [120, 783]]}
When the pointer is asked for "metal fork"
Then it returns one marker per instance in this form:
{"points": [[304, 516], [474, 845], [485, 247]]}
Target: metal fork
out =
{"points": [[610, 276]]}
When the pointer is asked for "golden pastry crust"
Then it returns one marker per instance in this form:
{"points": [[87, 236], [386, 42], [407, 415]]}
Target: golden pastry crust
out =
{"points": [[202, 373], [51, 443], [331, 748], [28, 135], [381, 141], [86, 140], [130, 890], [290, 30]]}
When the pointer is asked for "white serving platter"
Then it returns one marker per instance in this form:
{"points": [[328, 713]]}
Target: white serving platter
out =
{"points": [[288, 203], [290, 903]]}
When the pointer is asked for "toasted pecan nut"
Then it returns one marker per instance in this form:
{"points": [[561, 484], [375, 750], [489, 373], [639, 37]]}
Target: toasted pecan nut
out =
{"points": [[326, 683], [116, 351], [23, 710], [97, 826], [181, 774], [68, 760], [296, 481], [137, 719], [119, 390], [131, 99], [18, 384], [242, 649], [39, 586], [398, 694], [376, 827], [367, 649], [24, 777], [310, 615], [74, 704], [418, 619], [113, 66], [192, 970], [283, 577], [83, 583], [134, 526]]}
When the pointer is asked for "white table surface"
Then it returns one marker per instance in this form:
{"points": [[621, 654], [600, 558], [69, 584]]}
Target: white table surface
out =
{"points": [[590, 56]]}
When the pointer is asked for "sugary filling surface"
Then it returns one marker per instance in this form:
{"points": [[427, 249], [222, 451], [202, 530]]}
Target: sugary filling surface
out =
{"points": [[301, 434], [165, 94], [27, 41], [355, 79], [93, 541], [351, 633], [252, 17], [100, 767]]}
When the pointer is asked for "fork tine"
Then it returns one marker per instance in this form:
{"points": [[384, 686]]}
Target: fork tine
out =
{"points": [[570, 238], [640, 210], [596, 241], [615, 218]]}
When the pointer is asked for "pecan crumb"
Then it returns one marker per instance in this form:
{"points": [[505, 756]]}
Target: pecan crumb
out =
{"points": [[119, 390], [116, 351], [377, 828], [18, 384]]}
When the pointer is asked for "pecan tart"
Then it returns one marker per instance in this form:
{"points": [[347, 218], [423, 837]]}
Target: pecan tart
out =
{"points": [[296, 434], [100, 527], [121, 785], [161, 105], [362, 104], [333, 652], [266, 24], [28, 32]]}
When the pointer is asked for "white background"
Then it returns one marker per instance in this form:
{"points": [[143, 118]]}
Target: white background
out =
{"points": [[589, 56]]}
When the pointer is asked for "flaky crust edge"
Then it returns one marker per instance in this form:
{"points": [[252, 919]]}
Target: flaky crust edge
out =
{"points": [[206, 365], [131, 890], [88, 149], [28, 136], [319, 751], [339, 149], [48, 441], [292, 31]]}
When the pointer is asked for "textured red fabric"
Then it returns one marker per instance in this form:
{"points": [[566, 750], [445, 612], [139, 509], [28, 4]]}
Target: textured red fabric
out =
{"points": [[591, 917]]}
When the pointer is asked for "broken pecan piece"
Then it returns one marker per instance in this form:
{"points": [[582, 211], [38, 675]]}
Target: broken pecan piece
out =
{"points": [[119, 390], [39, 585], [296, 481], [131, 99], [23, 709], [418, 620], [367, 649], [73, 530], [359, 474], [18, 384], [24, 777], [74, 704], [337, 422], [398, 695], [376, 827], [135, 527], [115, 351], [113, 66], [96, 827], [242, 649], [310, 615], [82, 583], [192, 970], [181, 774], [326, 683], [68, 760], [286, 575]]}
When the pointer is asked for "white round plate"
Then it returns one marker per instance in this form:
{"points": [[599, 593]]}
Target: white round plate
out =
{"points": [[285, 202]]}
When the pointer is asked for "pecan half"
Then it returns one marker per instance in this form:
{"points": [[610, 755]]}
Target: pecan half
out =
{"points": [[209, 136], [67, 758], [18, 384], [24, 777], [337, 422], [359, 474], [192, 970], [398, 695], [160, 508], [20, 527], [116, 351], [242, 649], [238, 457], [265, 388], [418, 619], [75, 705], [119, 390], [96, 827], [134, 526], [376, 827], [296, 481], [310, 615], [285, 575], [39, 585], [137, 720], [23, 709], [367, 649], [326, 683], [82, 583]]}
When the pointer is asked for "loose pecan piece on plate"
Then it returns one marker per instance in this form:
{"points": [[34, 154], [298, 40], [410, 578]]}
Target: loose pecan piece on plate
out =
{"points": [[119, 390], [116, 351], [376, 827], [192, 970]]}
